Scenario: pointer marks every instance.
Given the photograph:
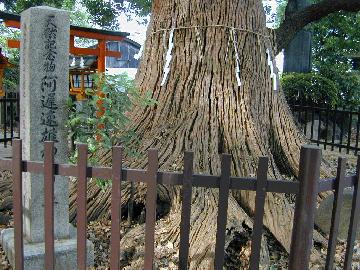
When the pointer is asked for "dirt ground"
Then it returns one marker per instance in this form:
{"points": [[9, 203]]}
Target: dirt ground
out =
{"points": [[237, 254]]}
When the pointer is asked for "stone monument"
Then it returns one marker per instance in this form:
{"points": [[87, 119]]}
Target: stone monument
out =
{"points": [[44, 90], [297, 55], [324, 213]]}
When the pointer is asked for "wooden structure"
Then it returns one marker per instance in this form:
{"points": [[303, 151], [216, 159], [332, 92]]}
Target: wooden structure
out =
{"points": [[102, 36], [306, 191], [4, 63], [80, 80], [81, 76]]}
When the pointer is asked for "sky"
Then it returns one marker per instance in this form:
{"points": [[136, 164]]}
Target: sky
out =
{"points": [[138, 31]]}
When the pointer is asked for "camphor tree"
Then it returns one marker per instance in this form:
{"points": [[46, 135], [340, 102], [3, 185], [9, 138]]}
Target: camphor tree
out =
{"points": [[216, 94]]}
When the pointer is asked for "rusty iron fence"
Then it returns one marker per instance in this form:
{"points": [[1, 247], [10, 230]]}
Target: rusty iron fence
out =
{"points": [[333, 128], [306, 191], [9, 110]]}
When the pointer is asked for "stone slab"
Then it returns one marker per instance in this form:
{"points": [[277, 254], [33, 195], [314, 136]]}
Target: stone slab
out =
{"points": [[65, 253], [324, 213], [44, 91]]}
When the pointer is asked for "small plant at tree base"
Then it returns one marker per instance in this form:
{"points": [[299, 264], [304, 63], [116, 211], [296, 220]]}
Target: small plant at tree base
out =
{"points": [[101, 121]]}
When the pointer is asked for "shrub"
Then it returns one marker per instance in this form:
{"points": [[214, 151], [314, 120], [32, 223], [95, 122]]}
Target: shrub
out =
{"points": [[349, 89], [309, 89], [101, 132]]}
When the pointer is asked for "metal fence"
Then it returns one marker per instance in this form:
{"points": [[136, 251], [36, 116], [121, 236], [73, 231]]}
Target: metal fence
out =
{"points": [[333, 128], [9, 117], [306, 191]]}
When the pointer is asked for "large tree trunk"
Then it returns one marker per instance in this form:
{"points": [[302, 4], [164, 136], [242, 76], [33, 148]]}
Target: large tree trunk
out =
{"points": [[202, 108]]}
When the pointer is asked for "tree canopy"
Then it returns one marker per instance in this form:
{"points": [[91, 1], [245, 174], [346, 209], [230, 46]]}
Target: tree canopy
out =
{"points": [[102, 13], [336, 40], [218, 96]]}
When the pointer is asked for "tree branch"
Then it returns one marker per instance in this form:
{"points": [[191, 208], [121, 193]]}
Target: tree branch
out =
{"points": [[298, 20]]}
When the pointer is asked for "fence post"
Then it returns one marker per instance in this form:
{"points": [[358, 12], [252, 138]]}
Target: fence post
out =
{"points": [[17, 169], [357, 132], [302, 234]]}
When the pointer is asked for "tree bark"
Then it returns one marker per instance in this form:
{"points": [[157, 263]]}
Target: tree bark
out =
{"points": [[202, 108]]}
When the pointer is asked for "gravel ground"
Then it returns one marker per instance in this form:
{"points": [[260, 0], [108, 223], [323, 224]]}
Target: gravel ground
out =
{"points": [[99, 234]]}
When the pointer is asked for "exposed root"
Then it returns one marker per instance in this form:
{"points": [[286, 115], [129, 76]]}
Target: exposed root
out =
{"points": [[203, 226]]}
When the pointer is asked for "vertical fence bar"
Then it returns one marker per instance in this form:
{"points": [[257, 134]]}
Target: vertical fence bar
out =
{"points": [[261, 183], [17, 191], [301, 244], [18, 114], [49, 179], [335, 219], [319, 129], [354, 220], [222, 211], [5, 130], [334, 130], [306, 118], [326, 127], [357, 132], [312, 123], [81, 206], [117, 156], [349, 133], [11, 119], [131, 203], [151, 195], [186, 211], [341, 130]]}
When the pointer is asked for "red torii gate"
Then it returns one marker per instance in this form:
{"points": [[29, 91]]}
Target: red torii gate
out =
{"points": [[102, 36]]}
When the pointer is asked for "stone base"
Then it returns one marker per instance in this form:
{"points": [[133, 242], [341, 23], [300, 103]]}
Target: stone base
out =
{"points": [[65, 252], [324, 213]]}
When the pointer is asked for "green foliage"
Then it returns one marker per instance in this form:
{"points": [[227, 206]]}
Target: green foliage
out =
{"points": [[11, 75], [348, 89], [102, 13], [137, 7], [274, 11], [120, 95], [20, 5], [280, 12], [309, 89], [106, 18], [335, 39], [101, 133]]}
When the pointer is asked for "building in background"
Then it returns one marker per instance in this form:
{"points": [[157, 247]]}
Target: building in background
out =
{"points": [[83, 68], [128, 62]]}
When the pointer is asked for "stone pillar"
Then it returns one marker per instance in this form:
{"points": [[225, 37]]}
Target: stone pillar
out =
{"points": [[44, 90], [44, 83], [297, 55]]}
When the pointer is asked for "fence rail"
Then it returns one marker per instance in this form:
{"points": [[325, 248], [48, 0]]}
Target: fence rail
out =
{"points": [[306, 191], [330, 127]]}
